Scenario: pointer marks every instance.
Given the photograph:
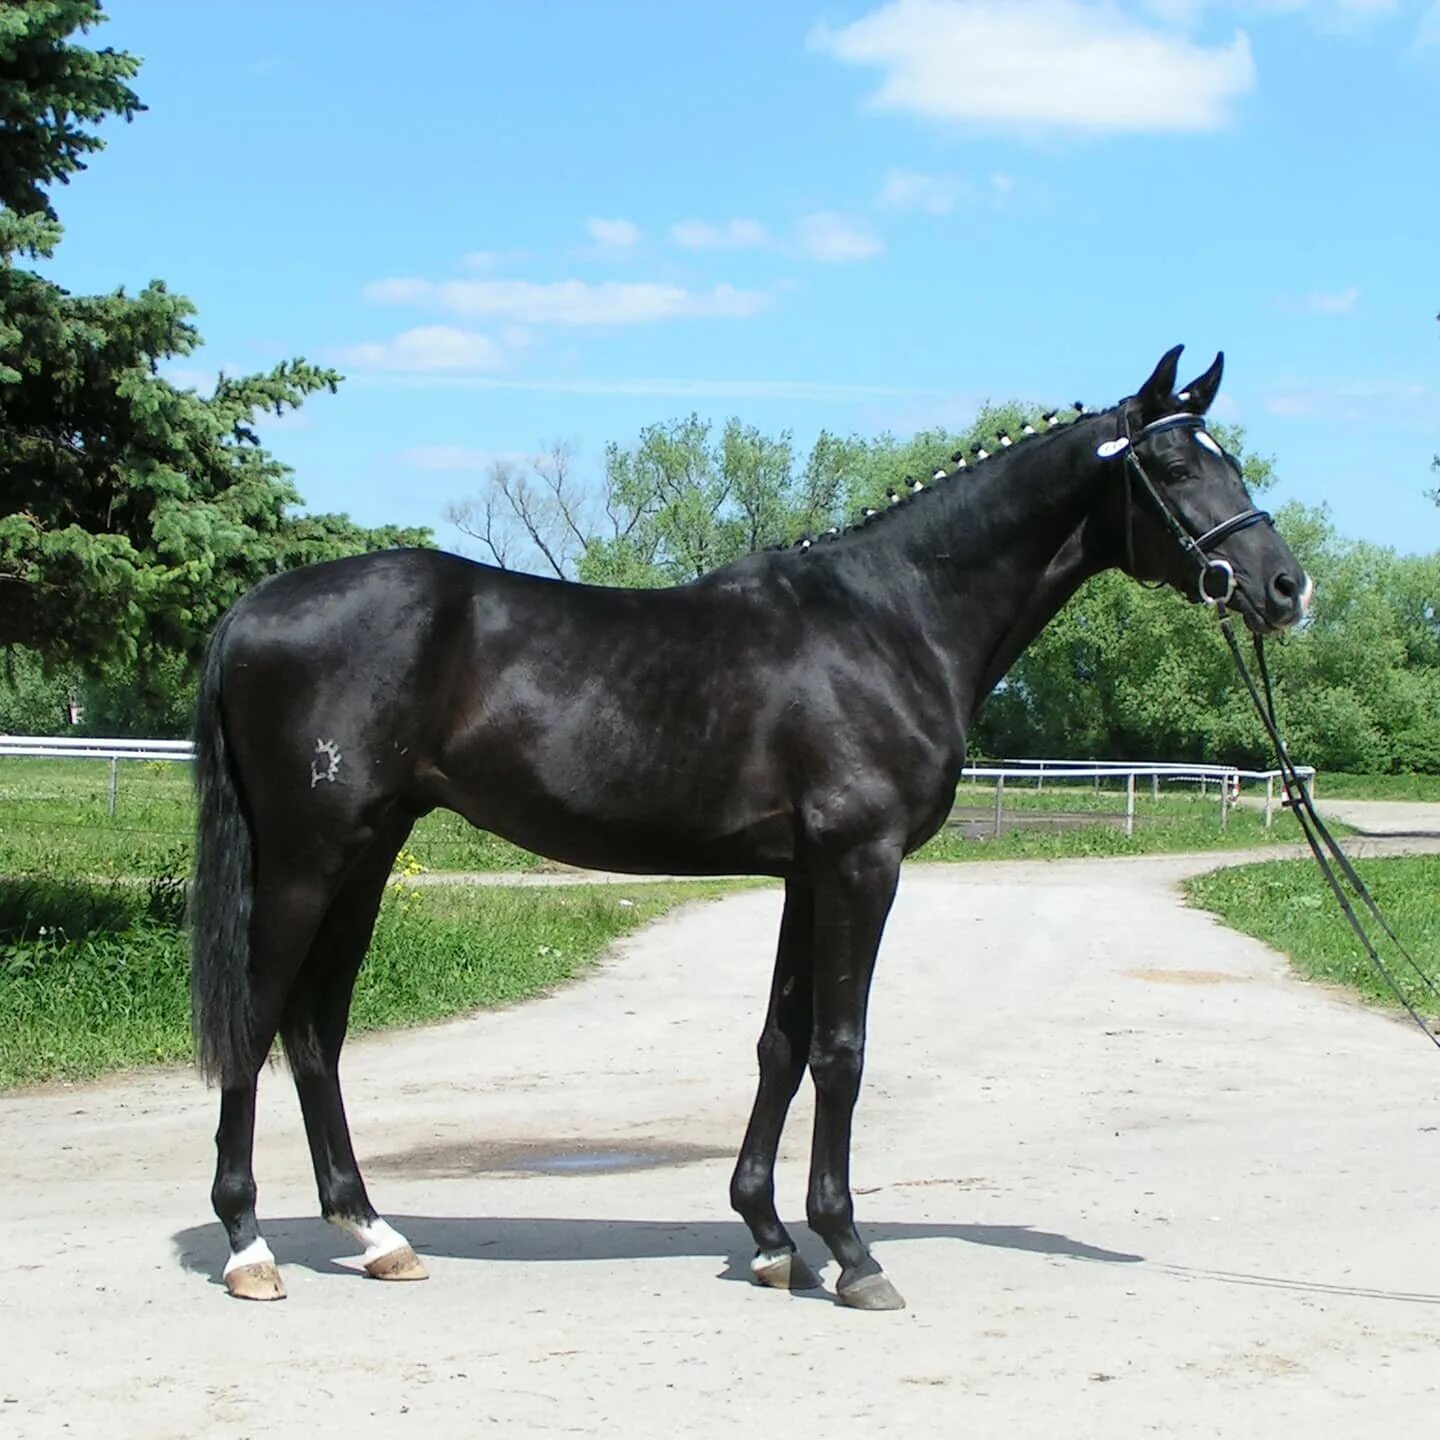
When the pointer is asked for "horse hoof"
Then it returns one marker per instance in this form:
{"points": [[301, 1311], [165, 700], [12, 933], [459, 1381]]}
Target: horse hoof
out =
{"points": [[871, 1292], [401, 1264], [784, 1271], [256, 1282]]}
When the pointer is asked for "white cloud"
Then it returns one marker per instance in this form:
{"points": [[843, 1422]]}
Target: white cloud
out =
{"points": [[481, 259], [192, 377], [1325, 302], [834, 240], [1428, 32], [1333, 16], [1069, 63], [426, 347], [667, 387], [733, 234], [569, 302], [398, 290], [451, 457], [1356, 402], [909, 190], [932, 194], [613, 234]]}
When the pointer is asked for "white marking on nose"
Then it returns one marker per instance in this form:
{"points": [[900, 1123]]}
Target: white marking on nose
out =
{"points": [[1307, 594]]}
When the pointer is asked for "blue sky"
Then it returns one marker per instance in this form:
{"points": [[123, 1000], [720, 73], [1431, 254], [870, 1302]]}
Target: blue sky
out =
{"points": [[514, 223]]}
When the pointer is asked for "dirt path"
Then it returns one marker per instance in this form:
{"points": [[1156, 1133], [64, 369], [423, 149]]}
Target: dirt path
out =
{"points": [[1131, 1178]]}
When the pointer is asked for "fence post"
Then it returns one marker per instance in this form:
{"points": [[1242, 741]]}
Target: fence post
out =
{"points": [[1224, 803], [1040, 778], [1155, 787], [114, 782], [1269, 800], [999, 802], [1130, 805]]}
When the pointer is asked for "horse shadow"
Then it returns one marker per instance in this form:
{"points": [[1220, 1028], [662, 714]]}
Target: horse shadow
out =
{"points": [[310, 1242]]}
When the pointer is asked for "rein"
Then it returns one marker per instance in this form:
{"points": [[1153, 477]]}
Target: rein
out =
{"points": [[1215, 587], [1297, 797]]}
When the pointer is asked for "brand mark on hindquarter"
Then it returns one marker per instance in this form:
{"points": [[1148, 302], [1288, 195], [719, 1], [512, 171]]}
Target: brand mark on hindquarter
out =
{"points": [[328, 766]]}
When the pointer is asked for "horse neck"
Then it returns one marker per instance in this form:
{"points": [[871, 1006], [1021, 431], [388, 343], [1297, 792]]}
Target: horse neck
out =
{"points": [[998, 551]]}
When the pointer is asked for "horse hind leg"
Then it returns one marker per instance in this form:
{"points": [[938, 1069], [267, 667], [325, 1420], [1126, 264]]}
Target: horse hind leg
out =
{"points": [[313, 1031], [782, 1051], [287, 910]]}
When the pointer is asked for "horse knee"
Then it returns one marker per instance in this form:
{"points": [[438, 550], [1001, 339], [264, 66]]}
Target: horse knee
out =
{"points": [[836, 1068], [752, 1184], [829, 1207], [779, 1057]]}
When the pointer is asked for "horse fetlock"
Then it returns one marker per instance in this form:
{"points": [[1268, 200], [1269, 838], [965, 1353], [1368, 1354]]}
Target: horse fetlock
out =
{"points": [[232, 1195]]}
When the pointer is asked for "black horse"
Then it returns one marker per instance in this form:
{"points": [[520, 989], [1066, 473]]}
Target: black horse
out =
{"points": [[800, 713]]}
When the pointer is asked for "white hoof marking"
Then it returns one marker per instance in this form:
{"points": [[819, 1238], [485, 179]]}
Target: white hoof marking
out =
{"points": [[257, 1252], [377, 1237]]}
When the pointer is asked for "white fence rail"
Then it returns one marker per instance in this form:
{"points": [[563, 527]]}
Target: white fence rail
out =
{"points": [[1227, 779], [70, 747]]}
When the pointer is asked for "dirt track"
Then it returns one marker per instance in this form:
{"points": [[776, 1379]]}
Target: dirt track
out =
{"points": [[1131, 1178]]}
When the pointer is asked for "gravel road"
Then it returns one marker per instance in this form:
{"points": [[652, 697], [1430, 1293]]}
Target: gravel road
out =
{"points": [[1131, 1177]]}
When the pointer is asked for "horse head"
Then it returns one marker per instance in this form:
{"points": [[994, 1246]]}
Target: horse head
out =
{"points": [[1186, 518]]}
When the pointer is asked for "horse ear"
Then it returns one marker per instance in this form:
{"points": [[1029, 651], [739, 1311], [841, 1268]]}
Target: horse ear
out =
{"points": [[1198, 394], [1155, 394]]}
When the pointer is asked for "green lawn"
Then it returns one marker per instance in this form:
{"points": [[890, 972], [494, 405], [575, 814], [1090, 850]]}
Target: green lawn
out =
{"points": [[1333, 785], [1287, 904], [54, 821], [93, 976], [93, 972]]}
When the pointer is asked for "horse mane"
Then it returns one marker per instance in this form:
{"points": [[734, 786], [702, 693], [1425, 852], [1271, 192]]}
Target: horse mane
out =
{"points": [[992, 468]]}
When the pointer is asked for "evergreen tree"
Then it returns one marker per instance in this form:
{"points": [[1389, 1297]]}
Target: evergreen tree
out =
{"points": [[132, 511]]}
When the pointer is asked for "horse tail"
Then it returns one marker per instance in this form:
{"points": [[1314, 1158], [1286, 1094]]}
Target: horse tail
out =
{"points": [[221, 888]]}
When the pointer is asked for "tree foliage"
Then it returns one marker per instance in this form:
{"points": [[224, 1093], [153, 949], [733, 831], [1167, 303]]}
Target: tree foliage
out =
{"points": [[1121, 672], [684, 499], [132, 511]]}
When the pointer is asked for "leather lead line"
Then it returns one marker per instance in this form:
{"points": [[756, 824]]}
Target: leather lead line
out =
{"points": [[1316, 831]]}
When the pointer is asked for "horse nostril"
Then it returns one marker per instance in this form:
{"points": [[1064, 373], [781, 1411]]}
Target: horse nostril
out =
{"points": [[1285, 585]]}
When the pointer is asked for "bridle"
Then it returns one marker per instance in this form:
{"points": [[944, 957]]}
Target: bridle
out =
{"points": [[1215, 578]]}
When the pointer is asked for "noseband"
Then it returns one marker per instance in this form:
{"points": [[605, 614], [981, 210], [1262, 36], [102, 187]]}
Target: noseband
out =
{"points": [[1215, 580]]}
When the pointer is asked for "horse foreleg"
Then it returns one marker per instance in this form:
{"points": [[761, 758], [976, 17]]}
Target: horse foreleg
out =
{"points": [[782, 1053], [313, 1031], [852, 901]]}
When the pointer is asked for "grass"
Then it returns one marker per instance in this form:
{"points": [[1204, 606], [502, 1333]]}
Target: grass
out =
{"points": [[93, 971], [1333, 785], [1288, 905], [1176, 822], [93, 976], [54, 820]]}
